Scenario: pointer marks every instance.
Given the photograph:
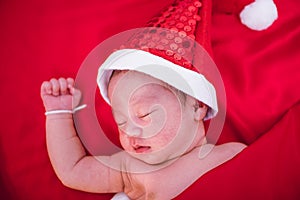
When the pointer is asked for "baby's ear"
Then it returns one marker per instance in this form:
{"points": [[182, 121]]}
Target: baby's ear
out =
{"points": [[200, 111]]}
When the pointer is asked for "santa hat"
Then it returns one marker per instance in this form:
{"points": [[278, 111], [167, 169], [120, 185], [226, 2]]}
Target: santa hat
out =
{"points": [[165, 50]]}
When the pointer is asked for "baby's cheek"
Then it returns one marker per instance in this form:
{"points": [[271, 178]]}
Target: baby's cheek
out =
{"points": [[124, 140], [166, 137], [174, 128]]}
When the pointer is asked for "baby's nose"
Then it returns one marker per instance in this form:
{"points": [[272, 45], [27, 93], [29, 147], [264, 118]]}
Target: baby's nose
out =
{"points": [[133, 130]]}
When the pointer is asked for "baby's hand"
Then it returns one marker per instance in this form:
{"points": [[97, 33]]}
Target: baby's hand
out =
{"points": [[60, 94]]}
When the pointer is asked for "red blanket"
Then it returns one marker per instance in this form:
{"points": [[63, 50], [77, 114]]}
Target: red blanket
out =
{"points": [[260, 70]]}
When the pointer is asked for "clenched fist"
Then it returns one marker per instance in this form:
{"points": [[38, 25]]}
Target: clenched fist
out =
{"points": [[60, 94]]}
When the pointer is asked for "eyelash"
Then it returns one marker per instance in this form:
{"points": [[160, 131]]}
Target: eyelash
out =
{"points": [[143, 116], [121, 124], [140, 117]]}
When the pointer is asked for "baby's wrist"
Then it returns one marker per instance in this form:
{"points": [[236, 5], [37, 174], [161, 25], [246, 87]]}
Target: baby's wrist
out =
{"points": [[60, 116], [63, 111], [58, 112]]}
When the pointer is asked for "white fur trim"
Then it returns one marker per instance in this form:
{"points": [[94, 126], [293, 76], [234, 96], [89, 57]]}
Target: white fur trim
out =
{"points": [[259, 15], [189, 82]]}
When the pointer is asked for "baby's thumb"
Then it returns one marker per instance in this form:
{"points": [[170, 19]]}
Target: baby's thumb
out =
{"points": [[76, 93]]}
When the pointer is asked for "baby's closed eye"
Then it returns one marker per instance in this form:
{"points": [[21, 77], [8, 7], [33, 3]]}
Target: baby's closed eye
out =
{"points": [[121, 123], [146, 115], [141, 116]]}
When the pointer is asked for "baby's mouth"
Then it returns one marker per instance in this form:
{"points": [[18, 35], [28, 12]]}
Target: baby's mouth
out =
{"points": [[141, 149]]}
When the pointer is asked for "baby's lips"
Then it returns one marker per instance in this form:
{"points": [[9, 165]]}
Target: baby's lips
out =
{"points": [[141, 149]]}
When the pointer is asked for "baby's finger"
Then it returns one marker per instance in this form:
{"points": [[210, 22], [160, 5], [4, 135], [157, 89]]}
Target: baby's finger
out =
{"points": [[63, 85], [70, 82], [55, 86], [76, 96], [46, 88]]}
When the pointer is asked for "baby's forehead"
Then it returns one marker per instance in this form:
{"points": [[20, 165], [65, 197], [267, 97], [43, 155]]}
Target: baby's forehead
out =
{"points": [[132, 77], [125, 79]]}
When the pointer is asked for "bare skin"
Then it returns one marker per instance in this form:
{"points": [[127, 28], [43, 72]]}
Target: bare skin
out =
{"points": [[77, 170]]}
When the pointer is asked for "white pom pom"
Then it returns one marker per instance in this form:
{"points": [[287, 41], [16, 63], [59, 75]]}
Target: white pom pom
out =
{"points": [[259, 15]]}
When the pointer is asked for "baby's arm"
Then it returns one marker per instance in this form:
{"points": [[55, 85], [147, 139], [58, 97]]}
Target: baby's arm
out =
{"points": [[73, 167]]}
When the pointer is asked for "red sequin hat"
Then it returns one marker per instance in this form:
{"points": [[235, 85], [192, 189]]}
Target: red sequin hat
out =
{"points": [[165, 50]]}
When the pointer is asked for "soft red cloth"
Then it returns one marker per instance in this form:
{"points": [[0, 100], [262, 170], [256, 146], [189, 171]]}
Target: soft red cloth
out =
{"points": [[42, 39]]}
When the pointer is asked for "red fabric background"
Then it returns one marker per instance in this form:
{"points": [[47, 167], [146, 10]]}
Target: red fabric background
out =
{"points": [[44, 39]]}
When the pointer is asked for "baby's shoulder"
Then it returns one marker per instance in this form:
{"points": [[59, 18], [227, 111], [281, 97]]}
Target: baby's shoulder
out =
{"points": [[223, 152], [232, 147]]}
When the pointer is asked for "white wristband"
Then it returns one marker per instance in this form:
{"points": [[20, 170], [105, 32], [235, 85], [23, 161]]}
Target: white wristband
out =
{"points": [[52, 112]]}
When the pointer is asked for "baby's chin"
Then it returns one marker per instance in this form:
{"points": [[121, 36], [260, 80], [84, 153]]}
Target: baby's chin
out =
{"points": [[153, 158]]}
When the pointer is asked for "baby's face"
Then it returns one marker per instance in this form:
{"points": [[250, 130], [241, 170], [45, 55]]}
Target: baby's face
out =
{"points": [[155, 125]]}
